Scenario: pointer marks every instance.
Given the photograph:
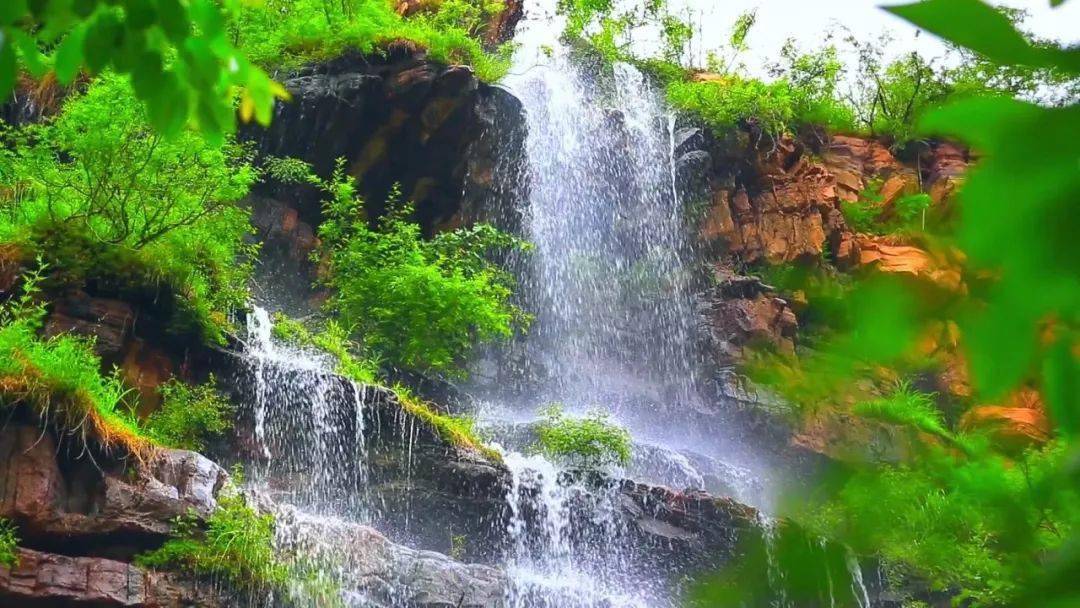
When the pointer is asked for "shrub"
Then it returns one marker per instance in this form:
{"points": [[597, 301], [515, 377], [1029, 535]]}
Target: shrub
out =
{"points": [[332, 340], [289, 33], [189, 415], [906, 407], [100, 194], [416, 304], [980, 525], [9, 541], [237, 544], [592, 440]]}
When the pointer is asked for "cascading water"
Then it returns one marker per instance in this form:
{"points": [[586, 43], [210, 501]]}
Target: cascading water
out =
{"points": [[610, 283], [296, 396], [615, 316]]}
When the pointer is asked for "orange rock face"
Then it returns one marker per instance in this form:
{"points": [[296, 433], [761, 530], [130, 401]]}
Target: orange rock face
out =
{"points": [[1020, 422], [787, 206], [909, 260]]}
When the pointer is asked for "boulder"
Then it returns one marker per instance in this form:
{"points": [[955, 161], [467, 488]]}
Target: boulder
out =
{"points": [[1018, 423], [60, 499], [385, 574], [107, 320], [888, 257], [742, 313]]}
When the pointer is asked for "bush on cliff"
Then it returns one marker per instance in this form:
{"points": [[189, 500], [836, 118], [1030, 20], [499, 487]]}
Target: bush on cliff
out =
{"points": [[59, 378], [189, 415], [100, 195], [290, 33], [236, 543], [591, 441], [9, 543], [417, 304]]}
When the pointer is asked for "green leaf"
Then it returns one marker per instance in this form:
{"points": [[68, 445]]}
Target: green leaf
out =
{"points": [[140, 14], [1061, 387], [173, 20], [147, 74], [7, 65], [30, 53], [167, 104], [83, 8], [69, 55], [11, 11], [983, 29], [101, 41]]}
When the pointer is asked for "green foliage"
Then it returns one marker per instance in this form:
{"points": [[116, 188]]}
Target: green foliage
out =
{"points": [[977, 524], [906, 407], [60, 378], [178, 54], [417, 304], [862, 215], [592, 440], [868, 214], [100, 194], [911, 209], [333, 340], [969, 515], [236, 544], [289, 33], [9, 541], [456, 430], [189, 415]]}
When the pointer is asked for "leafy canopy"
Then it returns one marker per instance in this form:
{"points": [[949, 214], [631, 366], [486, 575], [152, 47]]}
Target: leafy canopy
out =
{"points": [[178, 54], [99, 193]]}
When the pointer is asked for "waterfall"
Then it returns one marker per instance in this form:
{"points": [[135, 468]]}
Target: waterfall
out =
{"points": [[608, 282], [302, 431], [570, 547]]}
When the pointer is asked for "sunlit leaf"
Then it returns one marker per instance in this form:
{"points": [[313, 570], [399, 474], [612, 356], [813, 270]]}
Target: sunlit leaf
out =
{"points": [[981, 28], [69, 55]]}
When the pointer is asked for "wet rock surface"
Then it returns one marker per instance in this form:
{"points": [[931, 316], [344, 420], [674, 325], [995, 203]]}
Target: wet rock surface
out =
{"points": [[386, 574], [742, 313], [398, 120]]}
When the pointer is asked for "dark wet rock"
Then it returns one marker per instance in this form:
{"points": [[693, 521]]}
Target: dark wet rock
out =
{"points": [[424, 489], [396, 119], [687, 139]]}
